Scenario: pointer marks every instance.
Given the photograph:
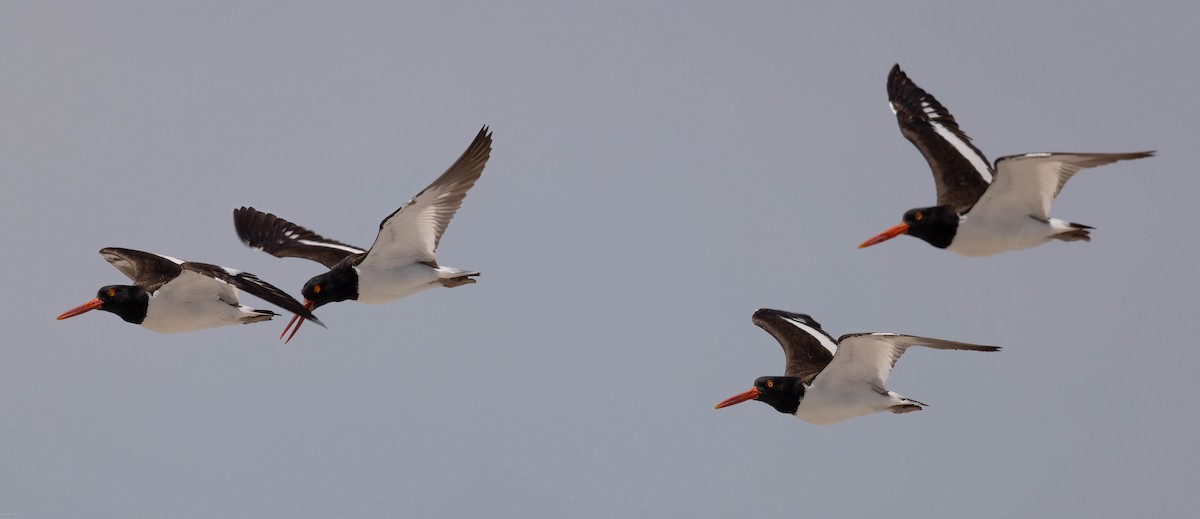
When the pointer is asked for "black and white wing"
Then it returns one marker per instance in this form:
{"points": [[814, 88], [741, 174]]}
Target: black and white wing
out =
{"points": [[411, 234], [868, 358], [807, 347], [284, 239], [1029, 183], [200, 280], [146, 269], [960, 171]]}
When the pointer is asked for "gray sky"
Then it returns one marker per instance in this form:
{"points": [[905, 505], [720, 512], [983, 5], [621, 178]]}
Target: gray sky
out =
{"points": [[659, 172]]}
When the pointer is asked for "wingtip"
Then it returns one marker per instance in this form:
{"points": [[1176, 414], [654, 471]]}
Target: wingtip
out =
{"points": [[773, 311], [485, 132], [982, 347]]}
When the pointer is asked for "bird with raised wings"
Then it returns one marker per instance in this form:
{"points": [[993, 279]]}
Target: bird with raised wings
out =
{"points": [[402, 260], [982, 210]]}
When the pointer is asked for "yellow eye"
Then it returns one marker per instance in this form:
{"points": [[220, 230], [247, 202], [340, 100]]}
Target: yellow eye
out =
{"points": [[112, 292], [316, 289], [918, 216], [770, 384]]}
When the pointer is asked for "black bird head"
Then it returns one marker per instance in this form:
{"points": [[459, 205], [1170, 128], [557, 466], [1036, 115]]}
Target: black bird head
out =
{"points": [[936, 225], [782, 393], [339, 284], [127, 301]]}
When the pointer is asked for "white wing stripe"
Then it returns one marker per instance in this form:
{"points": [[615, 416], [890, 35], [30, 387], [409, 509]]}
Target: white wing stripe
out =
{"points": [[351, 250], [820, 337], [176, 260], [963, 149]]}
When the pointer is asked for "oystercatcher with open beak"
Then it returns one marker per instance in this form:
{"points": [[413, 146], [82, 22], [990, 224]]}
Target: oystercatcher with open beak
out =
{"points": [[169, 295], [982, 210], [826, 381], [400, 263]]}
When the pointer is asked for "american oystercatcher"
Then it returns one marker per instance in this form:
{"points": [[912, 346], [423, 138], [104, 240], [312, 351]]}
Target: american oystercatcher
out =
{"points": [[169, 295], [826, 381], [982, 210], [400, 263]]}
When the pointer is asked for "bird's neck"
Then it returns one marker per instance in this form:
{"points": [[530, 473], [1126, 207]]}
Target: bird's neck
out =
{"points": [[132, 310], [786, 402], [938, 233]]}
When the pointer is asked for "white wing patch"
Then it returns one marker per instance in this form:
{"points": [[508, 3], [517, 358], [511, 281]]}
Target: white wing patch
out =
{"points": [[862, 361], [192, 287], [961, 147], [351, 250], [1028, 183], [193, 301], [816, 334]]}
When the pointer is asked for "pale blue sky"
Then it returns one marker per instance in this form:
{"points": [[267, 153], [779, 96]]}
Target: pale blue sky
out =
{"points": [[659, 172]]}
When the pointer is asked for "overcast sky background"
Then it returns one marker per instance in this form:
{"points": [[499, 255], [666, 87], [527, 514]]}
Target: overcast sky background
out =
{"points": [[659, 172]]}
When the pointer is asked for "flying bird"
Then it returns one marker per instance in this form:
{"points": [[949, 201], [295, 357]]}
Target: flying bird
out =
{"points": [[982, 210], [400, 263], [826, 381], [169, 295]]}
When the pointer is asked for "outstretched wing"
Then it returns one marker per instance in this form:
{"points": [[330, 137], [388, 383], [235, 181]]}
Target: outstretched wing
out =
{"points": [[222, 281], [868, 358], [1029, 183], [146, 269], [411, 234], [284, 239], [960, 171], [807, 347]]}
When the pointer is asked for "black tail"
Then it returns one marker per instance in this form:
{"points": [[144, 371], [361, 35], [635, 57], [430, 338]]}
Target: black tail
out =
{"points": [[1078, 232]]}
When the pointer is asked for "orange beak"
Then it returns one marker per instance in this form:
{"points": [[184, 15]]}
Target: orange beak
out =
{"points": [[94, 304], [296, 320], [752, 394], [899, 229]]}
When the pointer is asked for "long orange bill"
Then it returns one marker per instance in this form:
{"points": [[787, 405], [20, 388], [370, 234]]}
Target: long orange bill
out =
{"points": [[296, 320], [899, 229], [94, 304], [752, 394]]}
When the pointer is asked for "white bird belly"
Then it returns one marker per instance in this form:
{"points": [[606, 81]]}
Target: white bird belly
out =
{"points": [[167, 315], [830, 407], [979, 236], [379, 286]]}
